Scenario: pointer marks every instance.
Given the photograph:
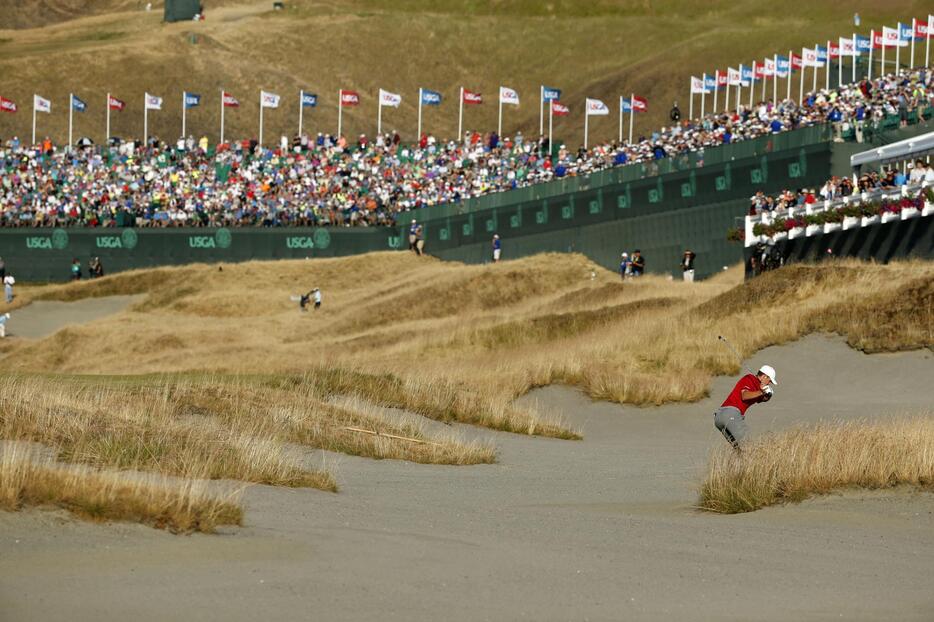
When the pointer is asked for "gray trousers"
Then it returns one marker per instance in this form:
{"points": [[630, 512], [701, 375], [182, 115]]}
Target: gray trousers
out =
{"points": [[731, 424]]}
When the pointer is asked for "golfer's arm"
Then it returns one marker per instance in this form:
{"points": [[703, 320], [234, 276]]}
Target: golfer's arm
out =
{"points": [[750, 395]]}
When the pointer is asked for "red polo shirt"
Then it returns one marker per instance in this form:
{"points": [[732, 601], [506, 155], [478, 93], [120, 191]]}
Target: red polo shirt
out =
{"points": [[735, 399]]}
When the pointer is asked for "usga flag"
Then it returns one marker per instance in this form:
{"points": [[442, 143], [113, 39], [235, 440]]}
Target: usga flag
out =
{"points": [[558, 109], [115, 104], [508, 96], [41, 104], [821, 54], [192, 100], [472, 98], [268, 100], [921, 29], [834, 49], [710, 82], [431, 98], [769, 67], [848, 47], [389, 99], [77, 105], [153, 102], [782, 66], [350, 98], [796, 62], [639, 104], [625, 104], [734, 77], [7, 105], [721, 78], [595, 107], [697, 85], [550, 95], [863, 44], [230, 101], [905, 32], [309, 100]]}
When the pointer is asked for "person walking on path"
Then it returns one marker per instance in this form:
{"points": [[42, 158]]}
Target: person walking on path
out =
{"points": [[8, 282], [413, 236], [687, 265], [497, 248], [3, 318], [730, 418]]}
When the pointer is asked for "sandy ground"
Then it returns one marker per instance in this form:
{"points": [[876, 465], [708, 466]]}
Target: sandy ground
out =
{"points": [[601, 529], [43, 317]]}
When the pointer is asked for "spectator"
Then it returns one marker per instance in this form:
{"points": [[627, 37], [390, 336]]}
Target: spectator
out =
{"points": [[687, 265], [624, 265], [638, 263], [8, 282], [497, 248], [75, 269]]}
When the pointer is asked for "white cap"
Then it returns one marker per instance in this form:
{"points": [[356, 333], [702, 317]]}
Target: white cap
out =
{"points": [[769, 371]]}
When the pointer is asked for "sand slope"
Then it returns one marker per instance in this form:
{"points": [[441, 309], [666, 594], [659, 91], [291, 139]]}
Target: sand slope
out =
{"points": [[601, 529], [43, 317]]}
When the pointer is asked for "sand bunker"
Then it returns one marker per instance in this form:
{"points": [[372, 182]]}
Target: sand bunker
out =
{"points": [[44, 317], [601, 529]]}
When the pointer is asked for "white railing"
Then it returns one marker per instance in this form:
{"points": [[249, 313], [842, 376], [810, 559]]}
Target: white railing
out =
{"points": [[797, 211]]}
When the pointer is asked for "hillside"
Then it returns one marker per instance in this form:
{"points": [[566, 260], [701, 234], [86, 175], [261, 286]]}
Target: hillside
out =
{"points": [[598, 49]]}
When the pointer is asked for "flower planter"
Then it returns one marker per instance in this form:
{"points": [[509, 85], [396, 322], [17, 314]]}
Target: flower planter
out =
{"points": [[797, 232], [890, 216], [812, 229], [780, 236], [868, 220], [832, 226], [850, 222], [911, 212]]}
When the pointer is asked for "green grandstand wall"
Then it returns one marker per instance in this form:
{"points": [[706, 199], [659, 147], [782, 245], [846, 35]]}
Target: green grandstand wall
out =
{"points": [[181, 10]]}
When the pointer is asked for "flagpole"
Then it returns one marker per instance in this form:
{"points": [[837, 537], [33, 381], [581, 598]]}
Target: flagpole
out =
{"points": [[801, 86], [853, 58], [379, 116], [34, 120], [814, 85], [551, 125], [460, 117], [914, 29], [872, 41], [620, 120], [71, 117], [840, 63], [261, 118], [775, 78], [716, 88], [301, 107], [829, 57], [107, 139], [691, 101], [791, 70], [499, 126], [882, 65], [632, 114], [145, 120], [752, 84], [703, 94], [898, 48], [762, 96], [541, 109], [184, 113], [586, 124], [726, 95], [927, 44], [419, 137], [340, 113], [222, 117]]}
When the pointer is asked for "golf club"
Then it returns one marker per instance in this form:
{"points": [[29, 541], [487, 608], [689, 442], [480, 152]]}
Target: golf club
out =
{"points": [[739, 359]]}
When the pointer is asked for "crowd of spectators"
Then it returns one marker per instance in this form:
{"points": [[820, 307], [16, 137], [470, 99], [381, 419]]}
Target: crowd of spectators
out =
{"points": [[328, 181]]}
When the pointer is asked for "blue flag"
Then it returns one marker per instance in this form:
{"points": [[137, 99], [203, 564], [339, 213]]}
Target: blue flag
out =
{"points": [[822, 53], [431, 98], [192, 100], [863, 44], [905, 32], [782, 65], [309, 100], [710, 83], [550, 95], [77, 105], [746, 74], [626, 104]]}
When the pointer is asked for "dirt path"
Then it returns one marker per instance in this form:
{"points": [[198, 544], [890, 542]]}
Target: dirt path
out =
{"points": [[601, 529], [43, 317]]}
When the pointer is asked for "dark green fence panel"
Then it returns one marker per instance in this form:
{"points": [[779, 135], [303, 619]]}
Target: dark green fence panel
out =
{"points": [[46, 254]]}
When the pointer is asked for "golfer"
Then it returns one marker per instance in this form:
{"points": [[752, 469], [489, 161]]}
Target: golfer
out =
{"points": [[730, 418]]}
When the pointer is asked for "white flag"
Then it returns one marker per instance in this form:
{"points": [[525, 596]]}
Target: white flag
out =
{"points": [[848, 47], [890, 38], [41, 104], [153, 102], [809, 58], [697, 85], [508, 96], [389, 99], [268, 100], [734, 78], [595, 107]]}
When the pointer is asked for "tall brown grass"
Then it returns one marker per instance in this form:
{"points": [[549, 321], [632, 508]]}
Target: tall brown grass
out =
{"points": [[818, 459], [27, 479]]}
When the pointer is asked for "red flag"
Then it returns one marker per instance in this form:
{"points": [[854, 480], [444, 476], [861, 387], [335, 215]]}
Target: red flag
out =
{"points": [[558, 109], [230, 101], [921, 29], [721, 78], [472, 98], [7, 105], [350, 98], [115, 104], [759, 71], [796, 62], [877, 40], [639, 104], [834, 50]]}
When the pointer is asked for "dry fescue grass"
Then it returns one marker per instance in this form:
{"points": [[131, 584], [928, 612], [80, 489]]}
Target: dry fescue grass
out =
{"points": [[26, 480], [814, 460], [607, 48]]}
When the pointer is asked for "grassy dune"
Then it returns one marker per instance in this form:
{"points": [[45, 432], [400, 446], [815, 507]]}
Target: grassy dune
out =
{"points": [[820, 459], [28, 481], [601, 49]]}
